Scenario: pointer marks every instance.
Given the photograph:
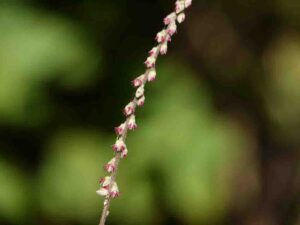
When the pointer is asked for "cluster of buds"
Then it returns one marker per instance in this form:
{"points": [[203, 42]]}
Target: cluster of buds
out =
{"points": [[108, 188], [108, 185]]}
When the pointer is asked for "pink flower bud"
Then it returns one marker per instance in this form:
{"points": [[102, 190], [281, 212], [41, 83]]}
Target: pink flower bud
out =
{"points": [[172, 28], [152, 75], [120, 129], [164, 48], [105, 181], [124, 153], [179, 6], [181, 17], [139, 92], [119, 145], [153, 51], [114, 192], [111, 165], [187, 3], [150, 62], [160, 37], [141, 101], [170, 18], [129, 109], [131, 123], [138, 81]]}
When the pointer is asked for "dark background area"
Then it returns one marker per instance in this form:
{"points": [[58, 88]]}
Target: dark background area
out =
{"points": [[219, 136]]}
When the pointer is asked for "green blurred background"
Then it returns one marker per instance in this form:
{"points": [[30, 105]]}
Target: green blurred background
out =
{"points": [[218, 139]]}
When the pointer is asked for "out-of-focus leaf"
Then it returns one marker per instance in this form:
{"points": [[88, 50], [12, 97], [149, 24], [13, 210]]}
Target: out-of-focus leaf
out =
{"points": [[68, 178], [14, 194], [34, 49], [282, 94]]}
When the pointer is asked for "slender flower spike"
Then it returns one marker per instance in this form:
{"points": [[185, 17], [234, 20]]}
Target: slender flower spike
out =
{"points": [[119, 146], [164, 48], [120, 129], [108, 186], [170, 18], [129, 109], [152, 75], [131, 123], [181, 17], [141, 101], [111, 165], [138, 81], [139, 92], [161, 36]]}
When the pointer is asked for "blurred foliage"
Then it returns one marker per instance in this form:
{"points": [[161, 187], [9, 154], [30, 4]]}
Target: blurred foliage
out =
{"points": [[217, 141], [36, 47]]}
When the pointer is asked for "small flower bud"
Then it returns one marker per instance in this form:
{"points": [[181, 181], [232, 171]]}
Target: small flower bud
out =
{"points": [[181, 17], [150, 62], [119, 145], [120, 129], [138, 81], [102, 191], [170, 18], [129, 109], [179, 6], [111, 165], [153, 51], [114, 192], [172, 28], [131, 123], [164, 48], [105, 181], [141, 101], [124, 153], [187, 3], [160, 37], [152, 75], [139, 92]]}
